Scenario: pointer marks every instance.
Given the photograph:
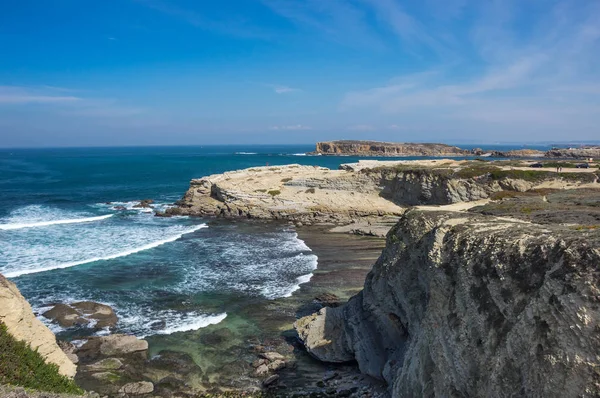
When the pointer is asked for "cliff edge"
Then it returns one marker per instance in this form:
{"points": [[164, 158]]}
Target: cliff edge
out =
{"points": [[21, 323], [463, 304], [375, 148]]}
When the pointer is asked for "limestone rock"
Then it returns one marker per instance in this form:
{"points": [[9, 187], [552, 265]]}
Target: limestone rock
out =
{"points": [[65, 316], [102, 313], [138, 388], [82, 314], [16, 314], [471, 305], [113, 345], [272, 356]]}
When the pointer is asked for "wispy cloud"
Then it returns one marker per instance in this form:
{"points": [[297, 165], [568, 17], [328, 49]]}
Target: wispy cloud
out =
{"points": [[545, 78], [26, 95], [280, 89], [340, 21], [293, 127], [229, 23]]}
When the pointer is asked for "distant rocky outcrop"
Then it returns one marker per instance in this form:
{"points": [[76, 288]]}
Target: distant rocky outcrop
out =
{"points": [[464, 305], [575, 153], [16, 314], [375, 148]]}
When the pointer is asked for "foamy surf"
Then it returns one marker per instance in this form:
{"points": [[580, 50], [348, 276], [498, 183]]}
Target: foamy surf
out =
{"points": [[14, 274], [193, 323], [13, 226]]}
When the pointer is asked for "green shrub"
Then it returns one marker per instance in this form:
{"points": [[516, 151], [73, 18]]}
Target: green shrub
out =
{"points": [[274, 192], [22, 366], [260, 190], [286, 180], [310, 190]]}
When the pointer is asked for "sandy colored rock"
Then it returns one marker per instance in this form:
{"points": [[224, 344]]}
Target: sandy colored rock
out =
{"points": [[16, 314], [272, 356], [104, 365], [113, 345]]}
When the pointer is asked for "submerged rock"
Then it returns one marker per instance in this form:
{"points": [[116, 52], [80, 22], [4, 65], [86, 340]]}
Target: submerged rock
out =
{"points": [[84, 313]]}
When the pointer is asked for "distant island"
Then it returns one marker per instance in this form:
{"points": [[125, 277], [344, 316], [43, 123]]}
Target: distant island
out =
{"points": [[391, 149]]}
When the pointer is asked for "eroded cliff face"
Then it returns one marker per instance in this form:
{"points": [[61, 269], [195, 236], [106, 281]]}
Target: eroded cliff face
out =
{"points": [[463, 305], [374, 148], [16, 314]]}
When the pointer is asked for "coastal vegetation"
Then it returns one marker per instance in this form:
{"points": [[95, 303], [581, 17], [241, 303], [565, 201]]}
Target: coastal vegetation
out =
{"points": [[22, 366]]}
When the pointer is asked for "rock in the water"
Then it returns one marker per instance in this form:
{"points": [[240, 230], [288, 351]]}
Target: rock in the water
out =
{"points": [[276, 365], [258, 362], [113, 345], [105, 365], [102, 313], [272, 356], [144, 204], [138, 388], [66, 316], [270, 380], [262, 370], [84, 313]]}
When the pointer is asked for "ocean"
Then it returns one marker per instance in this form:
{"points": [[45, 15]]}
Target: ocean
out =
{"points": [[70, 231]]}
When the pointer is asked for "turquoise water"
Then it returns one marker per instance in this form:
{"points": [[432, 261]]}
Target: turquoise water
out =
{"points": [[69, 232]]}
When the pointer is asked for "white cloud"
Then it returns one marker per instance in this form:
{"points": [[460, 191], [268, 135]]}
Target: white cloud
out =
{"points": [[293, 127], [25, 95], [279, 89]]}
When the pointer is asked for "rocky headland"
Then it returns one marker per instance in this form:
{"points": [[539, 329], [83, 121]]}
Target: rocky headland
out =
{"points": [[499, 301], [363, 193]]}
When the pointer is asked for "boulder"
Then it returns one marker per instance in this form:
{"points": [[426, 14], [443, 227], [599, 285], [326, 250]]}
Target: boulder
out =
{"points": [[84, 313], [270, 380], [137, 388], [272, 356], [66, 316], [105, 365], [113, 345], [102, 313]]}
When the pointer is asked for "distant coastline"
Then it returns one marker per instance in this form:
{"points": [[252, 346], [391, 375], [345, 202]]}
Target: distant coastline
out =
{"points": [[390, 149]]}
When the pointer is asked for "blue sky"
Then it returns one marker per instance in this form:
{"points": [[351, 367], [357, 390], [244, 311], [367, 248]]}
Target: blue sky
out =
{"points": [[152, 72]]}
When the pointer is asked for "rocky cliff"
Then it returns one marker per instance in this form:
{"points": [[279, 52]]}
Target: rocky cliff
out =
{"points": [[467, 305], [575, 153], [374, 148], [16, 314]]}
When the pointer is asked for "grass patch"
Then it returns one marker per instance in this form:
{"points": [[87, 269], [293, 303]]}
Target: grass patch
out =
{"points": [[274, 192], [310, 190], [585, 227], [260, 190], [286, 179], [24, 367]]}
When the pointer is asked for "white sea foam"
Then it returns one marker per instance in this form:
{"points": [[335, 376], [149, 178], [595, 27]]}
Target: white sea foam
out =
{"points": [[192, 323], [246, 153], [299, 154], [54, 266], [12, 226]]}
